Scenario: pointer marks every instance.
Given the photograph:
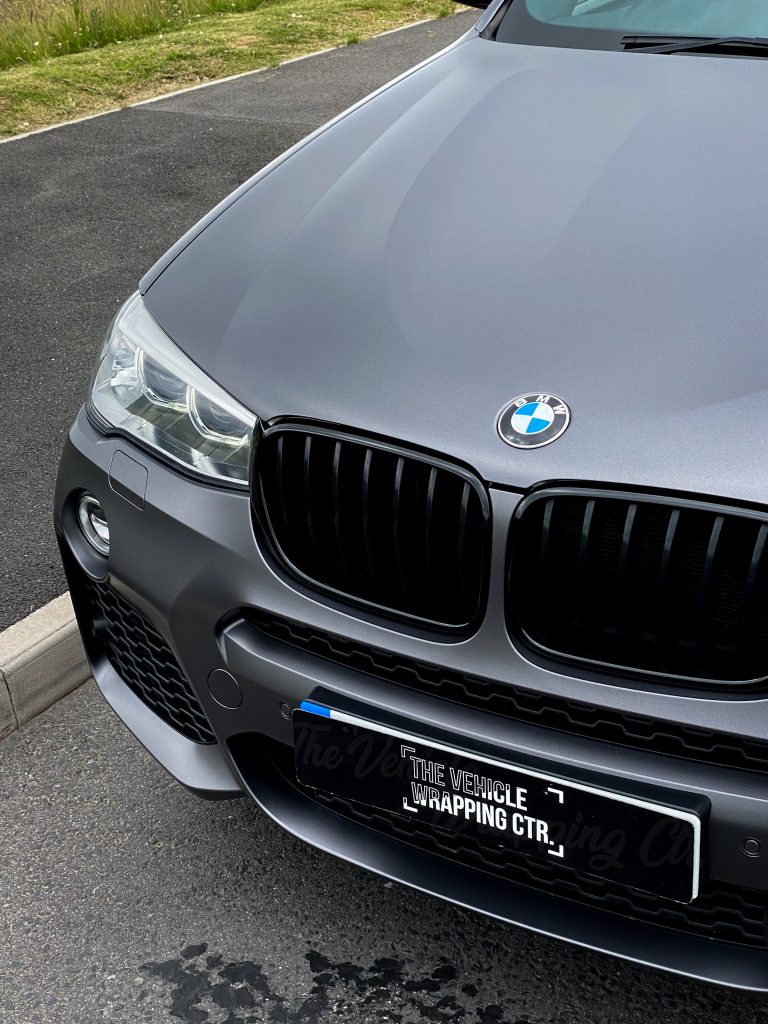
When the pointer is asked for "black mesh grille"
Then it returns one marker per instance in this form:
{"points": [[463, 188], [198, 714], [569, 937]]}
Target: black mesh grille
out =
{"points": [[574, 717], [383, 526], [645, 585], [145, 662]]}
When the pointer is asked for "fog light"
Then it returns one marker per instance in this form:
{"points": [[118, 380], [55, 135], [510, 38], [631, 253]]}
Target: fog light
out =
{"points": [[93, 523]]}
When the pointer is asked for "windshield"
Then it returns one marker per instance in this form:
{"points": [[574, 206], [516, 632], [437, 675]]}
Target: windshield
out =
{"points": [[602, 23]]}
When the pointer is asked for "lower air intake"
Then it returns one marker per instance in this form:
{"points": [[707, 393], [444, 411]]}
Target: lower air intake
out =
{"points": [[145, 662]]}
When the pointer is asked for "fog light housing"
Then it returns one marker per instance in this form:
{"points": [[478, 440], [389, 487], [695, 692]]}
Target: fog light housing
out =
{"points": [[93, 523]]}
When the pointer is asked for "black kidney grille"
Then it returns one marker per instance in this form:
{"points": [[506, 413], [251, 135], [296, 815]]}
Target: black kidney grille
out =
{"points": [[145, 663], [376, 524], [650, 586], [723, 912], [576, 718]]}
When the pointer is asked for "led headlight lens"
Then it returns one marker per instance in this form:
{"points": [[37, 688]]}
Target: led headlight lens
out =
{"points": [[144, 385]]}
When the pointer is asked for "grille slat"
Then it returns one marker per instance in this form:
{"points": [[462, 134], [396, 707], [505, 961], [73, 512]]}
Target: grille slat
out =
{"points": [[583, 604], [623, 576], [379, 525], [750, 599], [705, 597], [399, 528], [282, 500], [662, 594], [642, 585], [377, 583], [342, 551], [429, 540], [145, 662], [312, 539], [544, 566], [462, 538]]}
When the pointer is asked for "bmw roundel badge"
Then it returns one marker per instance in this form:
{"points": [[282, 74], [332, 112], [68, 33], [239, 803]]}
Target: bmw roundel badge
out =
{"points": [[531, 421]]}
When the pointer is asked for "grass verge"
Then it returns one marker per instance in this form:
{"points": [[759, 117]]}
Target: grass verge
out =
{"points": [[201, 48]]}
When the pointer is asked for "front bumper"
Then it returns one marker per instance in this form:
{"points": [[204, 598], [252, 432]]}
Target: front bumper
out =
{"points": [[189, 562]]}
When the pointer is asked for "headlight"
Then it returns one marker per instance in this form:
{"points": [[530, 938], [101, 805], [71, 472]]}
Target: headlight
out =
{"points": [[144, 385]]}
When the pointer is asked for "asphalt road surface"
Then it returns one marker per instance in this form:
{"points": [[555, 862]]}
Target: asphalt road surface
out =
{"points": [[87, 208], [124, 898]]}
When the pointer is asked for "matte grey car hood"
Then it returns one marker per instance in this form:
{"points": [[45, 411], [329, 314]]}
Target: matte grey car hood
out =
{"points": [[510, 219]]}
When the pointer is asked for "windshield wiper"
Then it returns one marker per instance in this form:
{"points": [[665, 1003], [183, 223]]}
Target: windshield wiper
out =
{"points": [[740, 45]]}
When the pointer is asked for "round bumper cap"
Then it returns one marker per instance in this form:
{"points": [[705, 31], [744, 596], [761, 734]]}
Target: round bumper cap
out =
{"points": [[225, 689]]}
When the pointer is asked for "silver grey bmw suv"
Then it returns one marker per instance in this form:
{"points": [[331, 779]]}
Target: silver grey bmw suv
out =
{"points": [[418, 492]]}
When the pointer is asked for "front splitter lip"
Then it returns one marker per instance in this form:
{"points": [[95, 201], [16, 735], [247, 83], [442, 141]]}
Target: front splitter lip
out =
{"points": [[201, 767], [700, 959]]}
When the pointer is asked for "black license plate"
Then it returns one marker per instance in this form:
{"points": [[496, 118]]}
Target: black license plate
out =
{"points": [[610, 835]]}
